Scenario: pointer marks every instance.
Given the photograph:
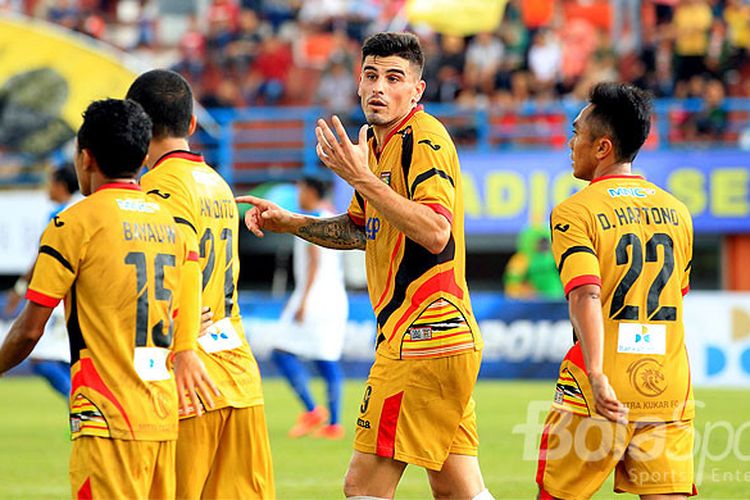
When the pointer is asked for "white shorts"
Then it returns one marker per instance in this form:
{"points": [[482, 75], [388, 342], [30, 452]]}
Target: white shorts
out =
{"points": [[53, 345]]}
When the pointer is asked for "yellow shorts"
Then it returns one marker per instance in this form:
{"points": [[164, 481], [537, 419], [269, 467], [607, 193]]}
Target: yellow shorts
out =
{"points": [[418, 411], [225, 454], [115, 468], [577, 454]]}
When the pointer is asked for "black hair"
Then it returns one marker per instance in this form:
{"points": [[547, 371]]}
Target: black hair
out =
{"points": [[404, 45], [66, 175], [117, 134], [320, 186], [622, 112], [168, 100]]}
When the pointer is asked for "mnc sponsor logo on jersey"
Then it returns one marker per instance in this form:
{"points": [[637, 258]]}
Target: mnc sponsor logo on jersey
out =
{"points": [[372, 227], [635, 192], [137, 205]]}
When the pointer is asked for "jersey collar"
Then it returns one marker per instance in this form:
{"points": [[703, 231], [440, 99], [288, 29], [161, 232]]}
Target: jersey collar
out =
{"points": [[119, 185], [397, 129], [181, 154], [605, 177]]}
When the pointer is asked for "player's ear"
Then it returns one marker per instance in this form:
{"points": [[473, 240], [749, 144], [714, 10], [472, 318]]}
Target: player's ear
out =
{"points": [[87, 161], [604, 147], [419, 91], [193, 125]]}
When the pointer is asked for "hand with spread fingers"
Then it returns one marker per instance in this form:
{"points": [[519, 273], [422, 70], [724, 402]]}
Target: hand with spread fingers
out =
{"points": [[266, 215], [346, 159]]}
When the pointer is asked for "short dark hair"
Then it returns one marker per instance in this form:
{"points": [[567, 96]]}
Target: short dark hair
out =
{"points": [[117, 134], [320, 186], [404, 45], [167, 98], [623, 112], [66, 175]]}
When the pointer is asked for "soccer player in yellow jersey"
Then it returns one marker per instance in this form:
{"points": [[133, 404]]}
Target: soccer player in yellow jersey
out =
{"points": [[119, 261], [623, 247], [225, 454], [407, 214]]}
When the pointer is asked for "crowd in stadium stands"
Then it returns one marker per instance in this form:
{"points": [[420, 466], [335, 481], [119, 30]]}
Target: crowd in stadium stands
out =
{"points": [[277, 52]]}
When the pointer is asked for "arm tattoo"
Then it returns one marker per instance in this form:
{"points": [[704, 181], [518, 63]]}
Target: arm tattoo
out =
{"points": [[338, 232]]}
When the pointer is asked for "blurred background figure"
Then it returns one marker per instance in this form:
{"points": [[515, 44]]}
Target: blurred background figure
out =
{"points": [[710, 123], [51, 356], [314, 322], [531, 272]]}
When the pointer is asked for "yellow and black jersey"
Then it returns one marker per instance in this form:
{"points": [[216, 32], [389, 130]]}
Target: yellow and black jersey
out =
{"points": [[635, 240], [117, 259], [203, 206], [420, 300]]}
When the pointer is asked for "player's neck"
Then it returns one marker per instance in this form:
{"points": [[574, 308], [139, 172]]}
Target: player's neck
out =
{"points": [[382, 132], [620, 168], [160, 147], [99, 180]]}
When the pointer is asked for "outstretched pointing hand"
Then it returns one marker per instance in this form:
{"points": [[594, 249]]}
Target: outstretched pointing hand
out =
{"points": [[265, 215]]}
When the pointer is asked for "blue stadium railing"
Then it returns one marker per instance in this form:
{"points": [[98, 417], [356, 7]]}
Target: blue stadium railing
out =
{"points": [[278, 144]]}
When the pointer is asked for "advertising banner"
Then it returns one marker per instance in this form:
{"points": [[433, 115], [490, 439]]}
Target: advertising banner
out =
{"points": [[505, 191], [527, 340], [25, 214]]}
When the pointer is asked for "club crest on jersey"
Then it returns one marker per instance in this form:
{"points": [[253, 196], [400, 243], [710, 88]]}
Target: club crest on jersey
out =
{"points": [[372, 227], [635, 192], [386, 177]]}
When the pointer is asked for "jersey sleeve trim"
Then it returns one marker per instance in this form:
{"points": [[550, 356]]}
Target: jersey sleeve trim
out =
{"points": [[441, 210], [48, 250], [428, 174], [685, 290], [180, 220], [359, 221], [573, 250], [41, 299], [579, 281], [193, 256]]}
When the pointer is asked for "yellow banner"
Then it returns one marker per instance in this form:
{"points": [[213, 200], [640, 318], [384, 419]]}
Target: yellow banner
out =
{"points": [[48, 76], [457, 17]]}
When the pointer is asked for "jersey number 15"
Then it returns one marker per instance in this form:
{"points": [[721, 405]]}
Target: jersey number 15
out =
{"points": [[158, 336]]}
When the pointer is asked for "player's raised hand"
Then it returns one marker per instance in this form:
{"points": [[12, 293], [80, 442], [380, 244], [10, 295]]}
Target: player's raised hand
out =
{"points": [[606, 400], [265, 215], [193, 379], [347, 160]]}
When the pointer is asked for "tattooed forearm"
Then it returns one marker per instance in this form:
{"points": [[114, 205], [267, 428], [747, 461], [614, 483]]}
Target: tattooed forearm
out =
{"points": [[337, 232]]}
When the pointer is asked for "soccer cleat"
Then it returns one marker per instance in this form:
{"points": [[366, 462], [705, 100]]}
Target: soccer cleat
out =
{"points": [[332, 432], [309, 422]]}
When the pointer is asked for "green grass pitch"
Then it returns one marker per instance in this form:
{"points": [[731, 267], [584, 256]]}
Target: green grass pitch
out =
{"points": [[34, 443]]}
